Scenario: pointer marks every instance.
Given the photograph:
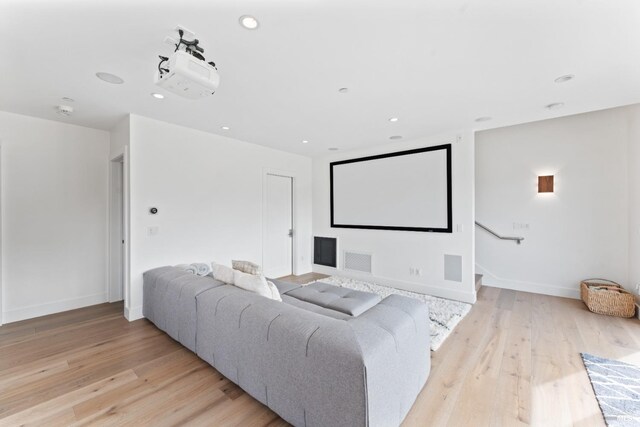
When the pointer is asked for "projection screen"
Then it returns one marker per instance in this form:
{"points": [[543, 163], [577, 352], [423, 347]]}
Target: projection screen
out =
{"points": [[406, 190]]}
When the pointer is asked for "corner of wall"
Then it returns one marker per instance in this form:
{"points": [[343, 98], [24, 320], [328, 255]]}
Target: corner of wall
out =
{"points": [[119, 137], [561, 247], [633, 156], [134, 313]]}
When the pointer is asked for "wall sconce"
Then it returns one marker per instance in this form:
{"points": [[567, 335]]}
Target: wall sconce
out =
{"points": [[545, 184]]}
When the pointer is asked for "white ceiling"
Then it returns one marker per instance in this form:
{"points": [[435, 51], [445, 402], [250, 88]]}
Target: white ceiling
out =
{"points": [[435, 64]]}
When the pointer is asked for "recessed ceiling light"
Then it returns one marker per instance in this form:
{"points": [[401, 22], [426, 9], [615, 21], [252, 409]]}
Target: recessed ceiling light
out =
{"points": [[304, 141], [157, 95], [110, 78], [333, 149], [565, 78], [249, 22], [225, 127], [394, 137], [343, 90], [483, 119], [554, 106], [66, 98], [393, 119]]}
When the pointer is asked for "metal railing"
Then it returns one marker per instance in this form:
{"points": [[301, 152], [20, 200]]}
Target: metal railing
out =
{"points": [[490, 231]]}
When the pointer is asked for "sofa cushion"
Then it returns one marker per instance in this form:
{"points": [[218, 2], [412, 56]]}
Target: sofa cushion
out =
{"points": [[170, 301], [336, 298], [284, 287], [314, 308]]}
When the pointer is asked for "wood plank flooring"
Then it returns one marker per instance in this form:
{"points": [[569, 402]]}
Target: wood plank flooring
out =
{"points": [[513, 361], [303, 279]]}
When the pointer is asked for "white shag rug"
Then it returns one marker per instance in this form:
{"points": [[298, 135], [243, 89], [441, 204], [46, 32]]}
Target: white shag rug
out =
{"points": [[444, 314]]}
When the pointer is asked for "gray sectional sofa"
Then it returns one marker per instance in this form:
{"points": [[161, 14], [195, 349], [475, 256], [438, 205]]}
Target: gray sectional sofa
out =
{"points": [[324, 356]]}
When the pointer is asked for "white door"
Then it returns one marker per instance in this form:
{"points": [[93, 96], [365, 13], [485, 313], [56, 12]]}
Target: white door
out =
{"points": [[278, 238]]}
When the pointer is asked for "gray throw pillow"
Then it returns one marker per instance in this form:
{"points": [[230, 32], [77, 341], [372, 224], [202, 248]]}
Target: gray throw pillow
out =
{"points": [[247, 267]]}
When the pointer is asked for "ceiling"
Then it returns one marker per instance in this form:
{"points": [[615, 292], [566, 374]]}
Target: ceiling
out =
{"points": [[437, 65]]}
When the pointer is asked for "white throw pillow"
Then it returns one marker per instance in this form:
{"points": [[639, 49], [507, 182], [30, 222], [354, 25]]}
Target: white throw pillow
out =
{"points": [[222, 273], [275, 293], [256, 284]]}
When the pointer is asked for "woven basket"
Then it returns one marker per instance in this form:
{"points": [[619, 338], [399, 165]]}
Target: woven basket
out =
{"points": [[606, 297]]}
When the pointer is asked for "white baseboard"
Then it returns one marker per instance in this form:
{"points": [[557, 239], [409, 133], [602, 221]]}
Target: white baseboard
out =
{"points": [[420, 288], [32, 311], [491, 280], [133, 313]]}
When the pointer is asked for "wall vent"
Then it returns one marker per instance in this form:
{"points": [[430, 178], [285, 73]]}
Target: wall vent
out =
{"points": [[453, 268], [357, 261]]}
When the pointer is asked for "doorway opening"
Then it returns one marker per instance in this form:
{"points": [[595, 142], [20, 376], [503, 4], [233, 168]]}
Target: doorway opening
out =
{"points": [[116, 231]]}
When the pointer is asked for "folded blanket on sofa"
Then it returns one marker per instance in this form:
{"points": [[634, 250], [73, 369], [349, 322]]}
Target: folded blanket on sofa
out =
{"points": [[202, 269], [188, 267]]}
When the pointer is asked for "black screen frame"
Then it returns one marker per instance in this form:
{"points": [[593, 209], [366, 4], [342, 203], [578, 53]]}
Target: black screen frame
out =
{"points": [[447, 229]]}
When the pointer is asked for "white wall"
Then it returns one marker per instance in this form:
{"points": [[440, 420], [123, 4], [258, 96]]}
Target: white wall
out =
{"points": [[634, 197], [580, 231], [120, 135], [208, 191], [54, 216], [395, 252]]}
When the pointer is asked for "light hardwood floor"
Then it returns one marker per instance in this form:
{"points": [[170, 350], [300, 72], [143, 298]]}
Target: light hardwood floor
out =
{"points": [[514, 360], [303, 279]]}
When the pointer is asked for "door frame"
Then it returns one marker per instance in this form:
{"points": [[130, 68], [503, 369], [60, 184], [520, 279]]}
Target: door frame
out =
{"points": [[294, 240], [126, 205], [1, 238], [126, 250], [116, 219]]}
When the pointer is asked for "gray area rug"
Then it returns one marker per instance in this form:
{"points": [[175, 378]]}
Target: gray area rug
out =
{"points": [[444, 314], [617, 389]]}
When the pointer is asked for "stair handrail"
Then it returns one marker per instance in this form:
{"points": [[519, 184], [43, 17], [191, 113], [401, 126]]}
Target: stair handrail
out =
{"points": [[490, 231]]}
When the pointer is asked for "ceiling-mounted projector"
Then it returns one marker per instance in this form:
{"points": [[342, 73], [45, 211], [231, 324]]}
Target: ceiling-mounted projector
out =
{"points": [[186, 72]]}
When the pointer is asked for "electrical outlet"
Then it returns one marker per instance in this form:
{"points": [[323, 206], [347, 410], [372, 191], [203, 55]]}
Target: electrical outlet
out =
{"points": [[415, 271]]}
